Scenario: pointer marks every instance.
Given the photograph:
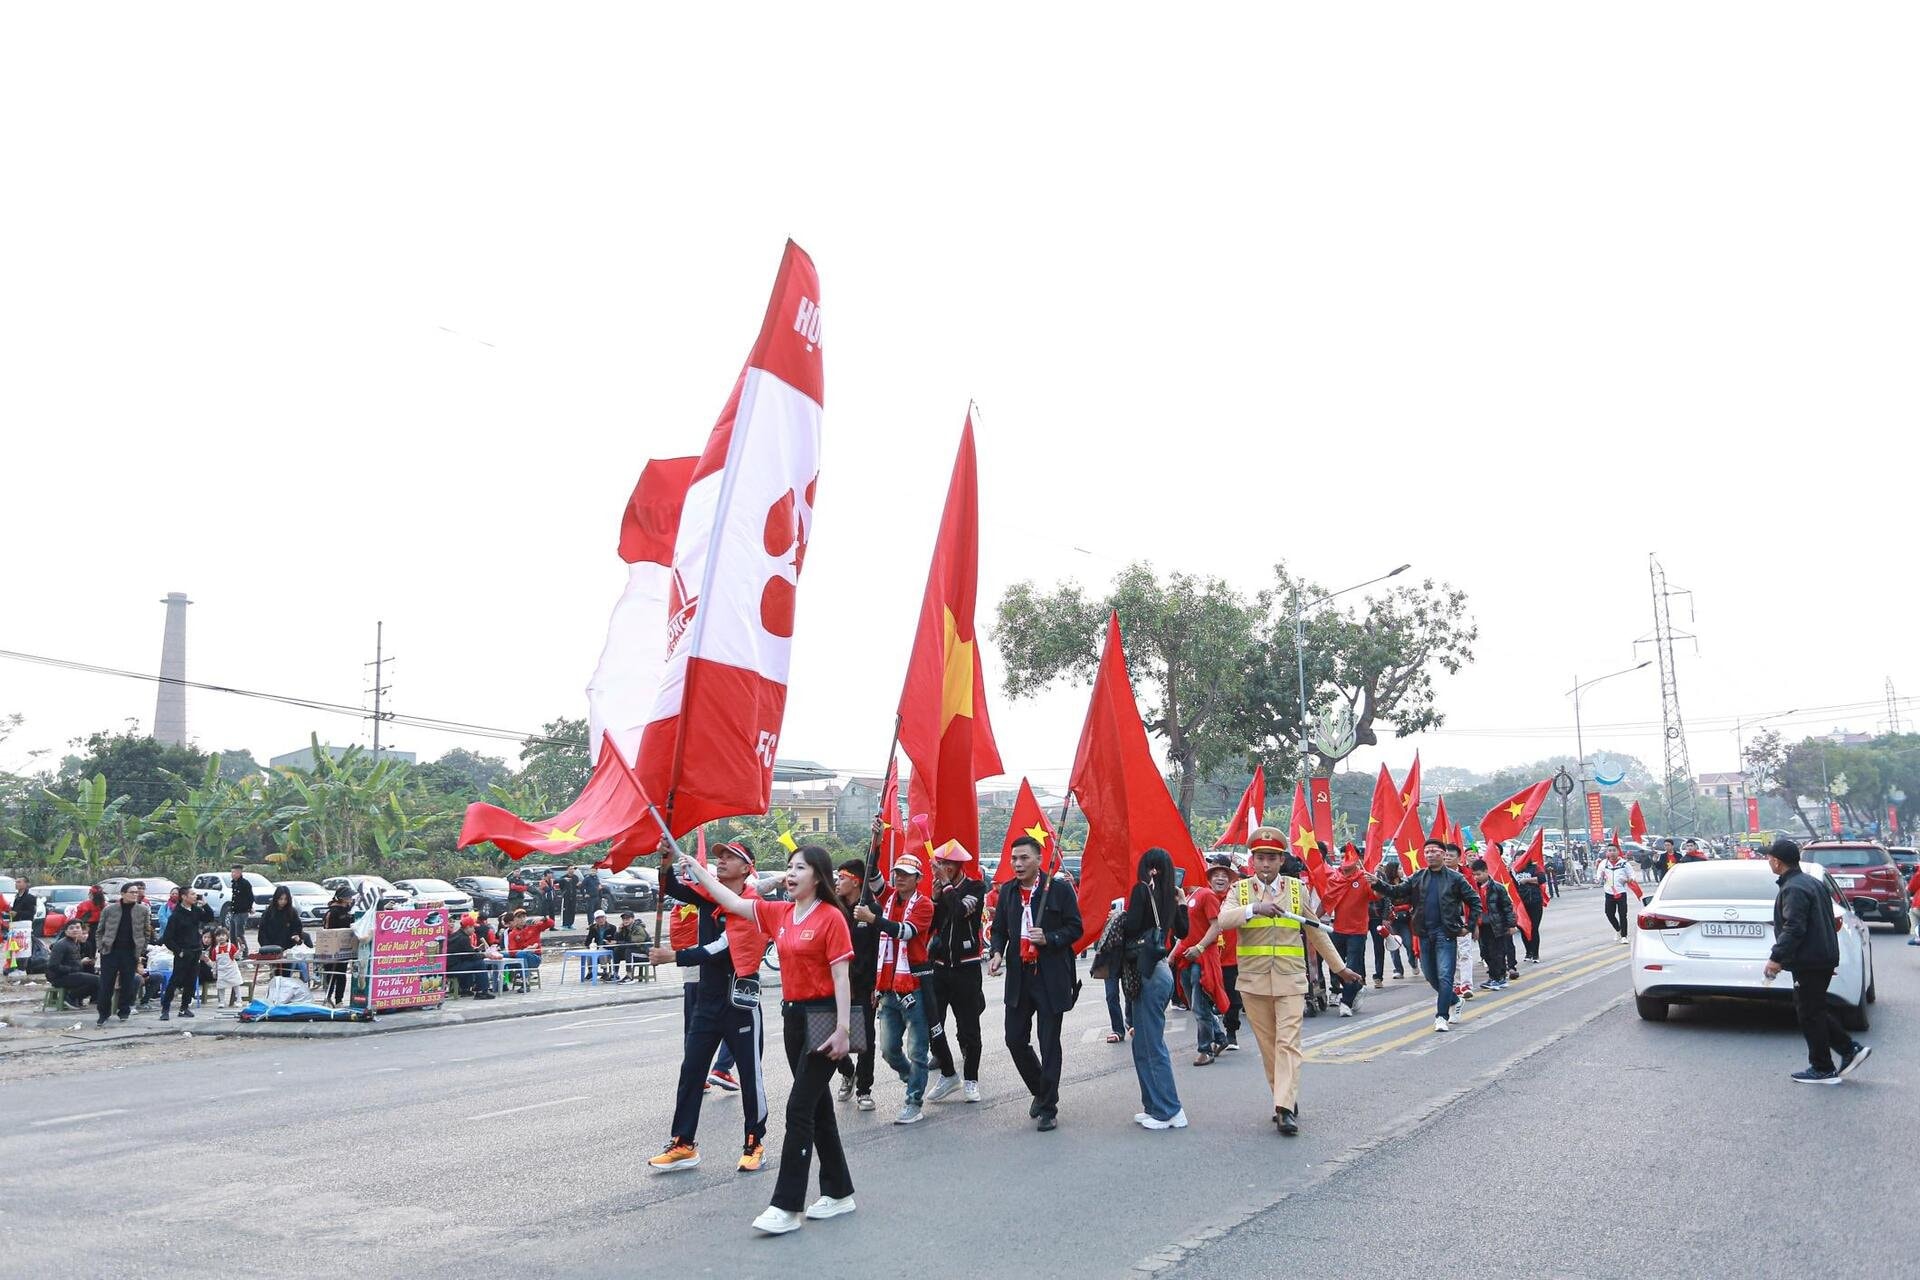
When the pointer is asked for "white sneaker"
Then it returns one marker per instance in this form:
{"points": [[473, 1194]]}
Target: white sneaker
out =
{"points": [[829, 1207], [1441, 1024], [1346, 1011], [777, 1222], [910, 1114], [973, 1091], [1179, 1121], [943, 1088], [1141, 1118]]}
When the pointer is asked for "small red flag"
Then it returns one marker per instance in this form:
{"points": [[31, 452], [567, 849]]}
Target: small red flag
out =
{"points": [[1250, 812], [1506, 820], [1497, 870], [892, 839], [1536, 857], [1636, 823], [1029, 819], [1442, 827], [1410, 789], [1383, 817]]}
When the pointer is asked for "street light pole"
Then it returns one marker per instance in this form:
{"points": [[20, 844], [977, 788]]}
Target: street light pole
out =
{"points": [[1579, 741], [1300, 651]]}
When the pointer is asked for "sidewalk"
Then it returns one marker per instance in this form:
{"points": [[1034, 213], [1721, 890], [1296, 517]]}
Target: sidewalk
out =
{"points": [[27, 1027]]}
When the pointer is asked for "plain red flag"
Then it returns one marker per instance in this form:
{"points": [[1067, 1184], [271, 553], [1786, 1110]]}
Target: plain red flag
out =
{"points": [[1029, 819], [1442, 827], [1636, 822], [944, 727], [1497, 870], [1383, 817], [1250, 812], [1123, 794], [892, 838], [1536, 856], [1506, 820]]}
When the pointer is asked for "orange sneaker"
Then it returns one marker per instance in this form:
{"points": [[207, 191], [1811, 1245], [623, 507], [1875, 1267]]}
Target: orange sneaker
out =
{"points": [[752, 1155], [678, 1155]]}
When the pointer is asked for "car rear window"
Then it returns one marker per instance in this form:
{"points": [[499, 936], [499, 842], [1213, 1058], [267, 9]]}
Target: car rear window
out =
{"points": [[1855, 856], [1720, 881]]}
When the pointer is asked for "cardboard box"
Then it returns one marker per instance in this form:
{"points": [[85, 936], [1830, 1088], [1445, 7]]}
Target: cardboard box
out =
{"points": [[335, 944]]}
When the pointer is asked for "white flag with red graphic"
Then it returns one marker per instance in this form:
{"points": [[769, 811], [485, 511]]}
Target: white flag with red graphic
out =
{"points": [[691, 686]]}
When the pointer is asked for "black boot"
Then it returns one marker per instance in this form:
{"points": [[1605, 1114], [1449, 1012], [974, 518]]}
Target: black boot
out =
{"points": [[1283, 1120]]}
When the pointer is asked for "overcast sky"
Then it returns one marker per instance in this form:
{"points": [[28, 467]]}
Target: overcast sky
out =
{"points": [[375, 312]]}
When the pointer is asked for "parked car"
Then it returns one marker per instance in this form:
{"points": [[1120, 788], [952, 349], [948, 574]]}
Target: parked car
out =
{"points": [[1866, 873], [391, 898], [215, 887], [1906, 858], [309, 899], [158, 887], [1706, 931], [629, 890], [59, 901], [489, 893], [419, 891]]}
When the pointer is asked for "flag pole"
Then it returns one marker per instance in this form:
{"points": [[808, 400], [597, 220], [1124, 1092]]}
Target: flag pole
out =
{"points": [[893, 754], [659, 897], [1060, 835]]}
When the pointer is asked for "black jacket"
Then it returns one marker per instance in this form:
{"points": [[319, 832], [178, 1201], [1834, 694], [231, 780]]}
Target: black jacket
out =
{"points": [[25, 904], [716, 971], [280, 929], [340, 916], [1457, 915], [182, 933], [866, 953], [1803, 932], [1528, 882], [1499, 914], [63, 961], [242, 891], [570, 891], [1059, 917], [956, 929]]}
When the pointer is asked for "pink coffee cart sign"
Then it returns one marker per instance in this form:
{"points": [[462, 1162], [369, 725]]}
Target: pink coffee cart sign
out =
{"points": [[409, 969]]}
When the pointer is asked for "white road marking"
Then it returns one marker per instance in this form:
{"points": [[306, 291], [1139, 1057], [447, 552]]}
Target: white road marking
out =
{"points": [[1474, 1024], [617, 1022], [381, 1071], [531, 1106], [241, 1093], [566, 1044], [84, 1115]]}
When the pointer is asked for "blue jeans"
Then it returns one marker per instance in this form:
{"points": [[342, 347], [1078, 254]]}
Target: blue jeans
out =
{"points": [[1121, 1017], [1438, 952], [1158, 1097], [904, 1018], [1206, 1019]]}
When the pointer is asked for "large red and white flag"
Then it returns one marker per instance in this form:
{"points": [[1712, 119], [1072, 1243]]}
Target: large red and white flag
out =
{"points": [[692, 683]]}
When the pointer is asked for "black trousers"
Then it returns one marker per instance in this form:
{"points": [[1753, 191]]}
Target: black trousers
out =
{"points": [[1817, 1021], [1617, 912], [960, 990], [118, 969], [1230, 979], [1039, 1072], [810, 1121], [568, 907], [715, 1023], [859, 1066], [185, 979], [1533, 943], [1493, 949], [80, 986]]}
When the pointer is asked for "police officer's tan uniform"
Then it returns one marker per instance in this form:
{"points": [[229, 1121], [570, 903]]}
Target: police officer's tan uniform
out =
{"points": [[1273, 970]]}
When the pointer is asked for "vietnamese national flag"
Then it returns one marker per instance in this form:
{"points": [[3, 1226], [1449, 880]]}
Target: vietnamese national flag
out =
{"points": [[1442, 826], [1497, 870], [1506, 820], [691, 686], [1633, 884], [1123, 794], [1410, 841], [1383, 818], [1410, 789], [892, 838], [1636, 823], [1249, 813], [1320, 795], [1536, 857], [943, 706], [1305, 843], [1029, 819]]}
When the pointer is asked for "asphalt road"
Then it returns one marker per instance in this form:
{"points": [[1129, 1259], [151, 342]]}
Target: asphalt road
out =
{"points": [[1553, 1133]]}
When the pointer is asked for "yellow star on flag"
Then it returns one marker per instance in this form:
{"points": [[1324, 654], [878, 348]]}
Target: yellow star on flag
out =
{"points": [[786, 842], [1303, 840], [1039, 832], [565, 835], [1371, 820], [1515, 809], [956, 689]]}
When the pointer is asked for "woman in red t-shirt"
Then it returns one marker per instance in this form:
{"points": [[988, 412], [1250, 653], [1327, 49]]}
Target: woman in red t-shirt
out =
{"points": [[815, 945]]}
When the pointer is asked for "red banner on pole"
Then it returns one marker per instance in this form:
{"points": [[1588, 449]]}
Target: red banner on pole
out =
{"points": [[1833, 817], [1753, 813], [1893, 823], [1596, 827]]}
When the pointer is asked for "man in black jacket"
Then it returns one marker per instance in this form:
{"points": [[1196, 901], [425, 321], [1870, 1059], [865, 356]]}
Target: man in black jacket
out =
{"points": [[956, 954], [856, 1069], [1438, 896], [25, 905], [1036, 921], [569, 899], [120, 946], [182, 937], [1807, 946], [1496, 926], [70, 965], [239, 906], [1533, 901]]}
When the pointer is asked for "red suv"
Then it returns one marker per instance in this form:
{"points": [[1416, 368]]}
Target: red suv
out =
{"points": [[1866, 873]]}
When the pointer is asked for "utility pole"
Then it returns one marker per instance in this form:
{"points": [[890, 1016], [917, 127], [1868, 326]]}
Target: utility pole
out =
{"points": [[1893, 709], [380, 687], [1678, 767]]}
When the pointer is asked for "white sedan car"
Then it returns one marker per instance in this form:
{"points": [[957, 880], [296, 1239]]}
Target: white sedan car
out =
{"points": [[457, 901], [1707, 931]]}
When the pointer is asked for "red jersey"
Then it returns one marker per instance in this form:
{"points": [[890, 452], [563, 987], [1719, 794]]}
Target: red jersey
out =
{"points": [[1349, 896], [808, 949], [527, 936], [898, 961], [1203, 908], [683, 926]]}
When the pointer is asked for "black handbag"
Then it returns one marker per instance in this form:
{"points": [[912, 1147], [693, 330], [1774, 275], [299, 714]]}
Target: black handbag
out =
{"points": [[821, 1024], [1144, 954]]}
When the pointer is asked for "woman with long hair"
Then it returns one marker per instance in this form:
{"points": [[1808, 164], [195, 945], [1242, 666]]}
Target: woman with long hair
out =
{"points": [[1156, 918], [280, 925], [815, 940]]}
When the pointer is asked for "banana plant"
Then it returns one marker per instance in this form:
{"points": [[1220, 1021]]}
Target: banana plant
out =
{"points": [[89, 820]]}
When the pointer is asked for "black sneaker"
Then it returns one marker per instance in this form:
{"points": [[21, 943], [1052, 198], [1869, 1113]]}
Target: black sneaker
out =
{"points": [[1810, 1076], [1853, 1058], [165, 1015], [186, 1011]]}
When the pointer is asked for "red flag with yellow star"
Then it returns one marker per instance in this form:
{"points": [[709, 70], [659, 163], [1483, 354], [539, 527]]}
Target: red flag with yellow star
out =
{"points": [[1506, 820], [1442, 828], [943, 708], [1410, 789], [1410, 841], [1383, 818], [1304, 842], [1029, 819]]}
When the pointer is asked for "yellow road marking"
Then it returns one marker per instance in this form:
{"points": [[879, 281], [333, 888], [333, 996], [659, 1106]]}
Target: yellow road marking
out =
{"points": [[1367, 1055], [1550, 973]]}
